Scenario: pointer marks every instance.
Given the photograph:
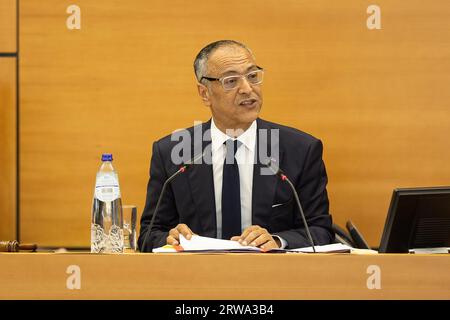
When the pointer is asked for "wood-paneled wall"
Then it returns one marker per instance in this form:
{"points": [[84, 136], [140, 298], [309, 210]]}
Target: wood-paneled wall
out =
{"points": [[378, 99], [8, 123], [8, 153], [8, 22]]}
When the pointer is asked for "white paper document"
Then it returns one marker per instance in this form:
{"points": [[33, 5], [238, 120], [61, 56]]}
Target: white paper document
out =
{"points": [[206, 244], [430, 250], [165, 249], [328, 248], [199, 243]]}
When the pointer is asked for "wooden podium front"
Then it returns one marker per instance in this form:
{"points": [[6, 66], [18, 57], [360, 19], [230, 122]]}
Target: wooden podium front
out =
{"points": [[223, 276]]}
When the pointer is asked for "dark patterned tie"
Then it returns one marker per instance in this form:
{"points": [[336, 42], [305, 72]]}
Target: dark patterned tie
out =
{"points": [[231, 192]]}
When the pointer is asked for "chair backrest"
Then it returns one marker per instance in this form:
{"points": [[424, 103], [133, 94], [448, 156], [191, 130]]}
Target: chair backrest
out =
{"points": [[351, 237], [357, 237], [342, 236]]}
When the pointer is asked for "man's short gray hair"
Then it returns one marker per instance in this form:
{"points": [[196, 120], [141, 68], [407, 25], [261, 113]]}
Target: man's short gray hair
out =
{"points": [[201, 60]]}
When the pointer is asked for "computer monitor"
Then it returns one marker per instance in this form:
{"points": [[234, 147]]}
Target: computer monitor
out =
{"points": [[417, 218]]}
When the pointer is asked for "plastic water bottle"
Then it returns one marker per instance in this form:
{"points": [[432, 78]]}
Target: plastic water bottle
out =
{"points": [[107, 219]]}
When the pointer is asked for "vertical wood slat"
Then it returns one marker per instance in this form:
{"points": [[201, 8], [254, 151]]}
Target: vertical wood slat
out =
{"points": [[8, 152], [8, 16]]}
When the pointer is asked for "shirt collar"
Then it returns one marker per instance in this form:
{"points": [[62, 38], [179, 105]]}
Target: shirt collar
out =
{"points": [[247, 138]]}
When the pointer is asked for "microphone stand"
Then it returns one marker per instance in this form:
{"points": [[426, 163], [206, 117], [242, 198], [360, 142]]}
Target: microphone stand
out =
{"points": [[283, 177], [182, 169]]}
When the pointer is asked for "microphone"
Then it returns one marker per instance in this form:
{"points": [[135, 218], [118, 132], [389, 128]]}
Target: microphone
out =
{"points": [[279, 173], [181, 170]]}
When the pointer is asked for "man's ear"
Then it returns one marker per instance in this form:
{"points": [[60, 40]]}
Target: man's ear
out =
{"points": [[204, 94]]}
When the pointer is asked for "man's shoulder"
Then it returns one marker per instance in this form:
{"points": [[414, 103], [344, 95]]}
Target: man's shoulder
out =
{"points": [[288, 134]]}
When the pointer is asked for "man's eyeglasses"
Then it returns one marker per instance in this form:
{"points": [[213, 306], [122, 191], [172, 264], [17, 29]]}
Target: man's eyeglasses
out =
{"points": [[231, 82]]}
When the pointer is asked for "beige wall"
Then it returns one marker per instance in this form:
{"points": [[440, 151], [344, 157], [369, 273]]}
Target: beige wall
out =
{"points": [[378, 99], [8, 128]]}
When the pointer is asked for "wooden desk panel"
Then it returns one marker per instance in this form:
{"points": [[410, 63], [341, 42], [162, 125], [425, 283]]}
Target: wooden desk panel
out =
{"points": [[223, 276]]}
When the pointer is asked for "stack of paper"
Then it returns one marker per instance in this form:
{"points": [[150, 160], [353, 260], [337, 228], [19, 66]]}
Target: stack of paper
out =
{"points": [[198, 243], [205, 244]]}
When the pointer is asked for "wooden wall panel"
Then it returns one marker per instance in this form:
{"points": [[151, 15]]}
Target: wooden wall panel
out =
{"points": [[377, 98], [8, 16], [8, 152]]}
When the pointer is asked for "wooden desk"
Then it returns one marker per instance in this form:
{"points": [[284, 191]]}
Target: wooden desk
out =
{"points": [[223, 276]]}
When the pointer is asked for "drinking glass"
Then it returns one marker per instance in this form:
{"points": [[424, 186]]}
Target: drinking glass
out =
{"points": [[129, 227]]}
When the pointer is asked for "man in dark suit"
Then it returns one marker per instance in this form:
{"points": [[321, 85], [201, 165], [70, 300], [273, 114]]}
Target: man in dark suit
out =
{"points": [[231, 196]]}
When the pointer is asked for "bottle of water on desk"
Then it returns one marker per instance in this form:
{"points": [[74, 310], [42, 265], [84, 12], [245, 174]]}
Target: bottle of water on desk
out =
{"points": [[107, 220]]}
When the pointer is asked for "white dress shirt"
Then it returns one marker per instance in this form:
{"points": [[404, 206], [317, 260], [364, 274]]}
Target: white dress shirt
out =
{"points": [[245, 159], [245, 156]]}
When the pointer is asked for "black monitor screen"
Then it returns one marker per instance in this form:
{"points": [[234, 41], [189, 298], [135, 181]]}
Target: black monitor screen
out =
{"points": [[417, 218]]}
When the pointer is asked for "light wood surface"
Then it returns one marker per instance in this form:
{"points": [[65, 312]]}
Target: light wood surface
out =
{"points": [[8, 22], [219, 276], [378, 99], [8, 149]]}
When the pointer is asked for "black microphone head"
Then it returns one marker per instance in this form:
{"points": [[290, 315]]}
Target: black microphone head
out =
{"points": [[273, 167], [193, 160]]}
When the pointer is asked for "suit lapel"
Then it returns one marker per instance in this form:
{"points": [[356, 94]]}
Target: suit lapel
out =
{"points": [[264, 185], [202, 184]]}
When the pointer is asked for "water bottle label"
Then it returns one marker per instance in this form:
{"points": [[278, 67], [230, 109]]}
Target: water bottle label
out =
{"points": [[107, 187]]}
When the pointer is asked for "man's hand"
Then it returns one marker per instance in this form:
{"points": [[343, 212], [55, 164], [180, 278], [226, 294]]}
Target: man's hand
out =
{"points": [[174, 234], [256, 236]]}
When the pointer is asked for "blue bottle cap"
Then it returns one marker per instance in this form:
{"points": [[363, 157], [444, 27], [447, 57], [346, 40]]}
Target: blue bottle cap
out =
{"points": [[107, 157]]}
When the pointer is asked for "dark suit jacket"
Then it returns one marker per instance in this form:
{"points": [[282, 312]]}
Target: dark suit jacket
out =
{"points": [[189, 198]]}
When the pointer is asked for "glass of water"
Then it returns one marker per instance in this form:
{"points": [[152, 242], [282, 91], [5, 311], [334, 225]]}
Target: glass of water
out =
{"points": [[129, 227]]}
